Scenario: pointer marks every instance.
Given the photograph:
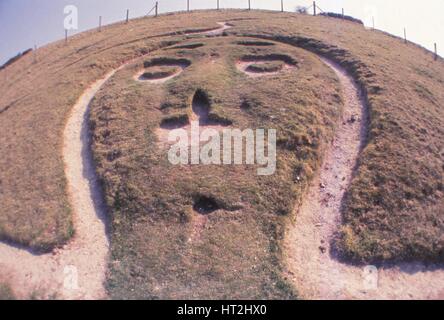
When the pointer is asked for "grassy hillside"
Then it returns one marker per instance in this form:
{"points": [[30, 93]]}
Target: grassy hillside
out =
{"points": [[6, 292], [164, 244], [35, 101], [395, 206]]}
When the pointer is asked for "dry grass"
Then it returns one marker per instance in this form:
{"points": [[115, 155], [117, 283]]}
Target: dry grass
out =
{"points": [[266, 67], [161, 247], [394, 209], [159, 73], [6, 292], [35, 101]]}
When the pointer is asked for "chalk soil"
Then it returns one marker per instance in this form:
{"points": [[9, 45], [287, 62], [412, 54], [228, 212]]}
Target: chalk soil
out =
{"points": [[312, 266], [76, 271]]}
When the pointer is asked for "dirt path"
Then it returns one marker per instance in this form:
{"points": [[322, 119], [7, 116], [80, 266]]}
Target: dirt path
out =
{"points": [[219, 31], [314, 271], [76, 271]]}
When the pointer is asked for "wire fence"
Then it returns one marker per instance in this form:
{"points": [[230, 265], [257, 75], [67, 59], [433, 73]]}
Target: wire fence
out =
{"points": [[312, 9], [279, 5], [155, 9]]}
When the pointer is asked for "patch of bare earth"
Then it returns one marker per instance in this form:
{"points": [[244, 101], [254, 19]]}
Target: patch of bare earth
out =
{"points": [[199, 121], [219, 31], [313, 268], [76, 271]]}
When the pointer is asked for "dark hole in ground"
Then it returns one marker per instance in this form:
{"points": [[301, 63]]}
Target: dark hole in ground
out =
{"points": [[215, 120], [201, 106], [189, 46], [205, 205], [245, 105], [249, 103], [156, 75], [166, 105], [160, 62], [175, 122], [270, 57], [255, 43]]}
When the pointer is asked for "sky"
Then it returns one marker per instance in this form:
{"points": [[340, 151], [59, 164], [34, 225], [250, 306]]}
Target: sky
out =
{"points": [[26, 23]]}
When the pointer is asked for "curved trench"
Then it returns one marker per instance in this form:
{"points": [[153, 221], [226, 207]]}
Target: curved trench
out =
{"points": [[77, 271], [314, 270]]}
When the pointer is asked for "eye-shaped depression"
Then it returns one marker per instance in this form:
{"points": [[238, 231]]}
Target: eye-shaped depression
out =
{"points": [[261, 65], [160, 70]]}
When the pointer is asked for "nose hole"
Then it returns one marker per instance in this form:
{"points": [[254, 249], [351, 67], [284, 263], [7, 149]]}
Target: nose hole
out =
{"points": [[205, 205], [201, 106]]}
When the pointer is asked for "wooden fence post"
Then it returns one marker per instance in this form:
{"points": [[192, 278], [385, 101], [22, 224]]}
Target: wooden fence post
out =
{"points": [[127, 15], [342, 13], [282, 5], [314, 8], [157, 8], [100, 23], [249, 4], [188, 5], [405, 35], [66, 36], [35, 54], [218, 5], [436, 52]]}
